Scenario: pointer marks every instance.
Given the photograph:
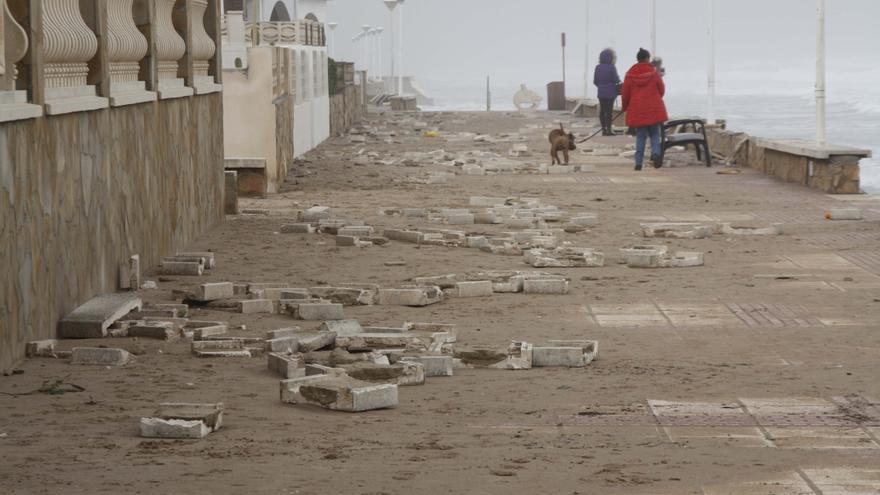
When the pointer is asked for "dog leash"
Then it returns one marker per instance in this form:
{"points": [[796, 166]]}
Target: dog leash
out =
{"points": [[584, 140]]}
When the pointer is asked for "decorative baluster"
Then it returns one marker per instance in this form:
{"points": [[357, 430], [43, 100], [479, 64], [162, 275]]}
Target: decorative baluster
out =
{"points": [[13, 47], [202, 50], [68, 45], [170, 48], [126, 46]]}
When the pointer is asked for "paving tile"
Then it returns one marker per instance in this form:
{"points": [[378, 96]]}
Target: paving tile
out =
{"points": [[733, 217], [820, 437], [787, 484], [637, 315], [779, 406], [700, 315], [826, 261], [845, 481], [773, 315], [868, 261], [640, 180], [737, 436], [596, 179], [558, 180], [689, 217], [687, 408]]}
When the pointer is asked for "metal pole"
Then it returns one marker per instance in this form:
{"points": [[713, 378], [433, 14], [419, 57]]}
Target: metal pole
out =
{"points": [[488, 96], [654, 27], [821, 131], [710, 114], [379, 53], [400, 49], [587, 52], [563, 61]]}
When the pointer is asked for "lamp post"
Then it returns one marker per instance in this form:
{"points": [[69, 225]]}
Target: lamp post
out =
{"points": [[654, 28], [400, 49], [391, 4], [332, 27], [821, 135], [587, 52], [710, 113], [377, 50], [366, 41]]}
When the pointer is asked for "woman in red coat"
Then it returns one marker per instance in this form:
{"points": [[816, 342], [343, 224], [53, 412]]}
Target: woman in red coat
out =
{"points": [[643, 91]]}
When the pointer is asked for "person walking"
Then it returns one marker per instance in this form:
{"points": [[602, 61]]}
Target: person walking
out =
{"points": [[608, 81], [642, 94]]}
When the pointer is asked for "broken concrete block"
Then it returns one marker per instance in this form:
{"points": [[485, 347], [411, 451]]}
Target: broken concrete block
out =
{"points": [[570, 357], [589, 347], [519, 357], [843, 214], [173, 428], [189, 268], [208, 257], [162, 330], [347, 296], [451, 330], [683, 259], [367, 341], [328, 226], [434, 365], [415, 297], [481, 288], [342, 327], [625, 253], [414, 212], [347, 241], [314, 341], [214, 291], [412, 236], [348, 394], [40, 348], [99, 356], [286, 365], [543, 241], [320, 311], [682, 230], [289, 390], [545, 286], [282, 333], [92, 319], [447, 281], [644, 258], [400, 373], [223, 354], [282, 345], [289, 294], [362, 231], [486, 201], [487, 218], [298, 228], [564, 257], [315, 213], [217, 345], [203, 329], [477, 242], [252, 306], [182, 309], [255, 287], [775, 229], [210, 414]]}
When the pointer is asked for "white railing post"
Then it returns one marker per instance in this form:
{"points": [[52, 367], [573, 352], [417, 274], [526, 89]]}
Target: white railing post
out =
{"points": [[821, 131], [126, 46], [203, 48], [170, 48], [13, 48]]}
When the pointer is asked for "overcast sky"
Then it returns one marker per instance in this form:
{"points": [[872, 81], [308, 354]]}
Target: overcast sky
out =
{"points": [[518, 40]]}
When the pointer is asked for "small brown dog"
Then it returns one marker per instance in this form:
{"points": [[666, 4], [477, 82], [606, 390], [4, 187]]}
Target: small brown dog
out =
{"points": [[560, 140]]}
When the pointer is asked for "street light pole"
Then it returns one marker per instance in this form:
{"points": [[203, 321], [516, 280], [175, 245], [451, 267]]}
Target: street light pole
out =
{"points": [[400, 49], [654, 28], [821, 131], [391, 4], [380, 69], [587, 52], [366, 42], [710, 117]]}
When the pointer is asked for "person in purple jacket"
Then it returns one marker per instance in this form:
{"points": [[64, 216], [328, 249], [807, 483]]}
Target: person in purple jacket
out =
{"points": [[608, 81]]}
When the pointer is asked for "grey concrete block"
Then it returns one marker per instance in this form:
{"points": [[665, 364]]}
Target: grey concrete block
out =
{"points": [[286, 365], [482, 288], [434, 365], [41, 348], [173, 428], [544, 286], [315, 341], [360, 231], [364, 341], [92, 319], [99, 356], [844, 214], [282, 344], [678, 230], [346, 241], [416, 297], [251, 306], [161, 330], [519, 357], [223, 354], [585, 220], [282, 332], [411, 236], [188, 268], [347, 296], [349, 395], [217, 345], [447, 281], [590, 347], [564, 258], [211, 414], [298, 228], [571, 357], [342, 327], [208, 256], [317, 312], [400, 373], [315, 213]]}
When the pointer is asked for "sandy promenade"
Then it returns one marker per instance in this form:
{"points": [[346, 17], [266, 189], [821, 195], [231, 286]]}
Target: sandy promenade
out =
{"points": [[754, 374]]}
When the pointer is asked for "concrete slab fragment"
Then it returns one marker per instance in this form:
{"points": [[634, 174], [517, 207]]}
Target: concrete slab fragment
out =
{"points": [[101, 356], [481, 288], [211, 414], [91, 320], [173, 428], [415, 297], [546, 286], [434, 366], [317, 312], [286, 365], [349, 395]]}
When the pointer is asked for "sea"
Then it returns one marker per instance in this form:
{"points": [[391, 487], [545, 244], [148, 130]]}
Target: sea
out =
{"points": [[761, 101]]}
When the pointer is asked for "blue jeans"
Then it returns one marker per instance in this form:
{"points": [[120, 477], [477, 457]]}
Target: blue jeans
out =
{"points": [[641, 136]]}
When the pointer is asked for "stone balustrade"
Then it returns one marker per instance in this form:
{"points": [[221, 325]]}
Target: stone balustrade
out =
{"points": [[302, 32], [98, 53]]}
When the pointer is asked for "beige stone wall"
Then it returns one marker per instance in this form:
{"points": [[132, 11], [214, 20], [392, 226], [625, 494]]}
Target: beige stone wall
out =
{"points": [[80, 193], [346, 109], [837, 175]]}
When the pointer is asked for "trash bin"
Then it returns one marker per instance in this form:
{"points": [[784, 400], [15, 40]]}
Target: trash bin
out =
{"points": [[556, 96]]}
